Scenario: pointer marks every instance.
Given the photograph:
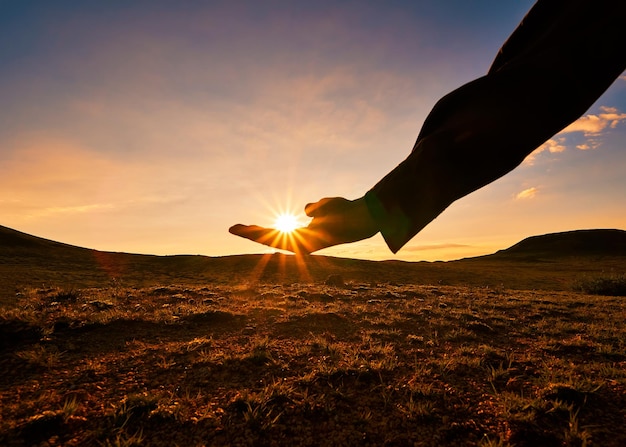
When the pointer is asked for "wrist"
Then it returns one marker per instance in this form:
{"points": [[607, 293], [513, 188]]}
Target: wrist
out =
{"points": [[365, 218]]}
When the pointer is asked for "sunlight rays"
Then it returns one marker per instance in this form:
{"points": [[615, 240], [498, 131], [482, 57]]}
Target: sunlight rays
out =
{"points": [[288, 234], [286, 223]]}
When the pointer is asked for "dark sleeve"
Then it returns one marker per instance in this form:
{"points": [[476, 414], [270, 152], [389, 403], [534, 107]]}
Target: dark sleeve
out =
{"points": [[554, 66]]}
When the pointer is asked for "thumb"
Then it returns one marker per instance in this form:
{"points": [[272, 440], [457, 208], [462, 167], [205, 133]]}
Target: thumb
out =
{"points": [[323, 207]]}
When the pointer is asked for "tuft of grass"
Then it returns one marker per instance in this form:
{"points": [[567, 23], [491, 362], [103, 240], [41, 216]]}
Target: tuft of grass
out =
{"points": [[141, 403], [575, 436], [72, 295], [418, 408], [260, 352], [38, 355], [125, 440], [488, 442], [262, 410], [613, 285], [134, 407], [70, 406]]}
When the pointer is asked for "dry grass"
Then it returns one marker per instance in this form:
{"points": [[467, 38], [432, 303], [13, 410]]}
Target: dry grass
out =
{"points": [[308, 364], [611, 285]]}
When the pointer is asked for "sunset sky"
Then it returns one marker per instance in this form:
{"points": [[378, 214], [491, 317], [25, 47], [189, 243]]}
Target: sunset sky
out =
{"points": [[153, 126]]}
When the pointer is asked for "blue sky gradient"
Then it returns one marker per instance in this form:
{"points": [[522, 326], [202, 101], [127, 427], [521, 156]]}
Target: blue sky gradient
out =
{"points": [[153, 126]]}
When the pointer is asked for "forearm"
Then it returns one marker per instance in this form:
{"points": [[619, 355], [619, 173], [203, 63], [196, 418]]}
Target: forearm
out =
{"points": [[476, 134], [538, 85]]}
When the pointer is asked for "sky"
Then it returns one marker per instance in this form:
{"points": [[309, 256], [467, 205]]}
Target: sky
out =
{"points": [[153, 126]]}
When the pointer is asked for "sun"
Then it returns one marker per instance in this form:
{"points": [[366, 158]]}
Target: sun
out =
{"points": [[286, 223]]}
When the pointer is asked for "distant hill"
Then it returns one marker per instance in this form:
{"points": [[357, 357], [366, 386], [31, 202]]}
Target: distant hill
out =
{"points": [[552, 261], [570, 243], [602, 242], [12, 241]]}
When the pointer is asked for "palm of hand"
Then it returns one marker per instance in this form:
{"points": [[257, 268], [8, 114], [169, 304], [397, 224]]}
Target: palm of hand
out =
{"points": [[335, 221]]}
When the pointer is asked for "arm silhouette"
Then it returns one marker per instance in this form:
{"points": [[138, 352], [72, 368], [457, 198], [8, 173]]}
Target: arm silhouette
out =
{"points": [[555, 65]]}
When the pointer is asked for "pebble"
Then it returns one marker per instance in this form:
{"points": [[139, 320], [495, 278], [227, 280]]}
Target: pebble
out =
{"points": [[335, 281]]}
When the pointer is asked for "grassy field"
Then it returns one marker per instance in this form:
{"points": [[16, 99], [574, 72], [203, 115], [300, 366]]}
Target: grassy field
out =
{"points": [[119, 350]]}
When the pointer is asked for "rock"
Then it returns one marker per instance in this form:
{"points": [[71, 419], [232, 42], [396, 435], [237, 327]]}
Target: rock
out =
{"points": [[101, 305], [323, 297], [565, 394], [335, 281]]}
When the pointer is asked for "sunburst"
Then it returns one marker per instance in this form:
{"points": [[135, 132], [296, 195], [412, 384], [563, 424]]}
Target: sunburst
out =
{"points": [[286, 223]]}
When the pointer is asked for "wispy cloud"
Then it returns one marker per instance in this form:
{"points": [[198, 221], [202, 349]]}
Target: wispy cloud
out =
{"points": [[45, 176], [528, 193], [553, 145], [77, 209], [593, 125]]}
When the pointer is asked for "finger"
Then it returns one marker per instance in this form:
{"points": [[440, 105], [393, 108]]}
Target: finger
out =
{"points": [[271, 237], [253, 232], [301, 241], [328, 205], [243, 230], [235, 229]]}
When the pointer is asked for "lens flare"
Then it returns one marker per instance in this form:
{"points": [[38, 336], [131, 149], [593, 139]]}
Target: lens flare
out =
{"points": [[286, 223]]}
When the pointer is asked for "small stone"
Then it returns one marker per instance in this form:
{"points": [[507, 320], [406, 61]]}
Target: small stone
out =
{"points": [[101, 305], [334, 281], [61, 325]]}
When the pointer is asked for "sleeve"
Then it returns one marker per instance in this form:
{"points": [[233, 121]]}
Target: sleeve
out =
{"points": [[555, 65]]}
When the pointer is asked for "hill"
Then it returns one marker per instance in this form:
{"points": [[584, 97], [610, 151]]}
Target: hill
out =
{"points": [[570, 243], [551, 262]]}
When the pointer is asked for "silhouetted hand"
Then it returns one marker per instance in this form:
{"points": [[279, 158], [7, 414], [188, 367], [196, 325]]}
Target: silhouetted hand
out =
{"points": [[335, 221]]}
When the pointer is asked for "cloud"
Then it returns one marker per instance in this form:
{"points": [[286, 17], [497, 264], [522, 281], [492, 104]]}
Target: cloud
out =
{"points": [[553, 145], [528, 193], [588, 145], [77, 209], [45, 162], [50, 176], [592, 125]]}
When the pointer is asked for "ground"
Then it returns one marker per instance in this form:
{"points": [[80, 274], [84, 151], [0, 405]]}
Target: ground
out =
{"points": [[320, 363]]}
